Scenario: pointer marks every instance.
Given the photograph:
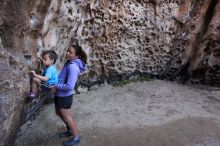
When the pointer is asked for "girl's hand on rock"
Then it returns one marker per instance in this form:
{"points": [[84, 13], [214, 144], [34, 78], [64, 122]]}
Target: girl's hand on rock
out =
{"points": [[33, 73]]}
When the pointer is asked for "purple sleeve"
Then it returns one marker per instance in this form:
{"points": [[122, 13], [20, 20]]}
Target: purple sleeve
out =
{"points": [[73, 72]]}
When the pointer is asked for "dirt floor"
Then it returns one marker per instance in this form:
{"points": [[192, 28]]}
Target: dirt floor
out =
{"points": [[153, 113]]}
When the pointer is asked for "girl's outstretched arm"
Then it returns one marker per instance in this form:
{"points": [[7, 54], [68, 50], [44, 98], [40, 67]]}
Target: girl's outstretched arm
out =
{"points": [[42, 78]]}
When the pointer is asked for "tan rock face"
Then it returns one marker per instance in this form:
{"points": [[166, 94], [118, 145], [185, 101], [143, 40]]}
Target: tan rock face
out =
{"points": [[167, 38], [201, 42]]}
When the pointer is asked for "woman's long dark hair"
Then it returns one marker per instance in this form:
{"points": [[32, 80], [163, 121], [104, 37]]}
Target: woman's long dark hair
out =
{"points": [[80, 53]]}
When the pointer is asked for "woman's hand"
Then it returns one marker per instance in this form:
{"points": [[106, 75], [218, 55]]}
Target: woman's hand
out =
{"points": [[53, 89]]}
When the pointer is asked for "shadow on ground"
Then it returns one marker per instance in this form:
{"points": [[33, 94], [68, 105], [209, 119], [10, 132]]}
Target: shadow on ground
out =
{"points": [[183, 132]]}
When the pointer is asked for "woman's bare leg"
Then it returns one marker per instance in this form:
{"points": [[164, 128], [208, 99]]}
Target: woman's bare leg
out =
{"points": [[58, 113], [67, 116]]}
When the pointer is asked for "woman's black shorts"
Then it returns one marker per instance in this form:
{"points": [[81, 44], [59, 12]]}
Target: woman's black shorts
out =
{"points": [[63, 102]]}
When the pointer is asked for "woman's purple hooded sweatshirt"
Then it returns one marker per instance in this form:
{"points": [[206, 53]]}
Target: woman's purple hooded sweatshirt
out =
{"points": [[68, 77]]}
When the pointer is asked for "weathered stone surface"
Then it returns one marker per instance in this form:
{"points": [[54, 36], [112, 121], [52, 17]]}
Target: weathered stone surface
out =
{"points": [[201, 42], [14, 80], [167, 38]]}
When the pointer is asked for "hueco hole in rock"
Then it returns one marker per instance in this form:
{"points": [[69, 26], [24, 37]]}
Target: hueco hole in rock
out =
{"points": [[152, 75]]}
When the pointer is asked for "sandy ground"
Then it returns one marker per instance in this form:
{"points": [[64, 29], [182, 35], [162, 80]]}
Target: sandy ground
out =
{"points": [[153, 113]]}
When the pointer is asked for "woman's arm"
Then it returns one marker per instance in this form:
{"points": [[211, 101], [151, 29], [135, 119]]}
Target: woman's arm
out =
{"points": [[72, 72]]}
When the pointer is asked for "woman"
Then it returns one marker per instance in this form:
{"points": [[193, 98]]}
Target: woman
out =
{"points": [[76, 60]]}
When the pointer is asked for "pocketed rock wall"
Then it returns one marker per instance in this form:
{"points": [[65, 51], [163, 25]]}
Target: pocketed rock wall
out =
{"points": [[174, 39]]}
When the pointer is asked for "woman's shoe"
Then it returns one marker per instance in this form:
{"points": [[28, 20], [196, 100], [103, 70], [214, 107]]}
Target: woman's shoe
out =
{"points": [[72, 141], [65, 134]]}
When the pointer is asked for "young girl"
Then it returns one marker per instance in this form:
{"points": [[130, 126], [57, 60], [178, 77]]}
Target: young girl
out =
{"points": [[76, 60], [49, 77]]}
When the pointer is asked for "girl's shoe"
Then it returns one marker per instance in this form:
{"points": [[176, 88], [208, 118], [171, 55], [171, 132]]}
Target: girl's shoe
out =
{"points": [[65, 134], [31, 96], [72, 141]]}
